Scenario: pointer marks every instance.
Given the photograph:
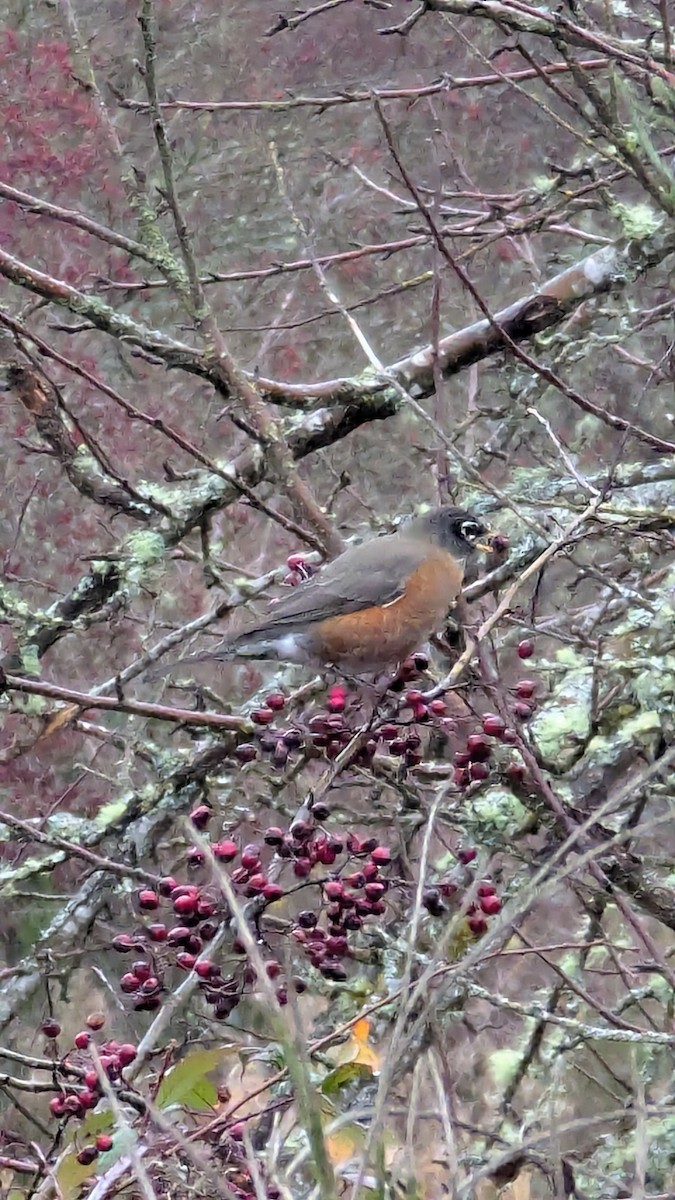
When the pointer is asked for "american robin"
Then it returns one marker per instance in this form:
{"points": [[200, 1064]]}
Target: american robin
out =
{"points": [[372, 606]]}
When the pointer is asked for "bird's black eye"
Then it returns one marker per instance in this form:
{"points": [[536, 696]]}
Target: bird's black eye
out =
{"points": [[470, 530]]}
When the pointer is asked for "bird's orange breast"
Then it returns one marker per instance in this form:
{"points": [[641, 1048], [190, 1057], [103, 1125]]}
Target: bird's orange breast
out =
{"points": [[383, 635]]}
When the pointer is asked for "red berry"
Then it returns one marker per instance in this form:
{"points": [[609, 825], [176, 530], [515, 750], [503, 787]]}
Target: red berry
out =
{"points": [[333, 890], [276, 701], [525, 688], [461, 759], [88, 1099], [226, 850], [87, 1155], [272, 891], [273, 836], [236, 1131], [479, 770], [486, 889], [262, 716], [414, 697], [148, 899], [158, 932], [103, 1143], [185, 906], [50, 1028], [141, 969], [201, 816], [380, 855], [522, 711], [477, 925], [90, 1080], [525, 648], [123, 943], [467, 856], [57, 1106], [126, 1053], [438, 707], [296, 562], [257, 882], [493, 725], [510, 737], [204, 968], [167, 885], [491, 905], [185, 961], [178, 935], [82, 1040], [72, 1105], [302, 867], [460, 777], [150, 986], [129, 982]]}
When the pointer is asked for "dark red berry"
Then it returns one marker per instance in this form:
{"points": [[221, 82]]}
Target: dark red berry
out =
{"points": [[273, 836], [88, 1099], [201, 816], [141, 969], [50, 1028], [486, 889], [157, 932], [525, 648], [467, 856], [250, 856], [82, 1040], [57, 1106], [272, 891], [515, 772], [276, 701], [479, 770], [478, 749], [148, 899], [167, 885], [477, 924], [522, 710], [461, 759], [256, 883], [245, 752], [87, 1155], [262, 716], [130, 983], [461, 777], [491, 905]]}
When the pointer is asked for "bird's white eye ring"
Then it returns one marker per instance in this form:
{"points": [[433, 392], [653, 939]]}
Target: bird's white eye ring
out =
{"points": [[470, 530]]}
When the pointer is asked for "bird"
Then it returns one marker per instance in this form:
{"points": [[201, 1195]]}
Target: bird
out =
{"points": [[370, 607]]}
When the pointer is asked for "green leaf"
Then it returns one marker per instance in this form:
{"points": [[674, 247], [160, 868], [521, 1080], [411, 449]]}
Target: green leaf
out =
{"points": [[344, 1074], [187, 1085]]}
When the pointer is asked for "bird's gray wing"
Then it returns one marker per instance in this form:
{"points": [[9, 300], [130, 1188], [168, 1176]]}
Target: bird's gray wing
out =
{"points": [[346, 585]]}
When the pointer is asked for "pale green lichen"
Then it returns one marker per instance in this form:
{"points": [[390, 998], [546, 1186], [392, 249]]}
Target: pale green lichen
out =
{"points": [[640, 731], [145, 546], [503, 1065], [495, 811], [561, 727], [637, 220]]}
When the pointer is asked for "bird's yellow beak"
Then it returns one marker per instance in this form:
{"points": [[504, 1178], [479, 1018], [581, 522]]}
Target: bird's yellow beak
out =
{"points": [[486, 547]]}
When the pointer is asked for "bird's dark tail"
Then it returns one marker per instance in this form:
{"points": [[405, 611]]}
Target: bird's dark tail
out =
{"points": [[223, 652]]}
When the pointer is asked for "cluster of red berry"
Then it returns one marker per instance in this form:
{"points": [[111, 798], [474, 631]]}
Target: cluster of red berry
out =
{"points": [[451, 891], [74, 1099]]}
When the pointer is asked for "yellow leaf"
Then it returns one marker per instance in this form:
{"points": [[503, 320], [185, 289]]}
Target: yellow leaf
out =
{"points": [[357, 1049]]}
